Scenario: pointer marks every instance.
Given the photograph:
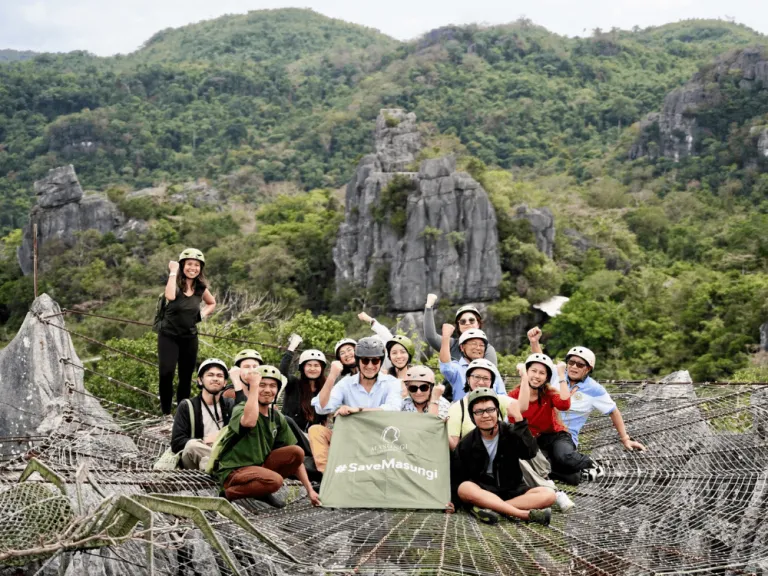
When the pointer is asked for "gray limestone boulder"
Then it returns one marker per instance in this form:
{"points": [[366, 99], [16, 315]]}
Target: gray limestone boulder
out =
{"points": [[62, 211], [447, 242], [60, 187]]}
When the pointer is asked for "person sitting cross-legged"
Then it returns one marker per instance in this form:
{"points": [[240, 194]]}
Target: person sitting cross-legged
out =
{"points": [[264, 450], [365, 390], [211, 412], [485, 467]]}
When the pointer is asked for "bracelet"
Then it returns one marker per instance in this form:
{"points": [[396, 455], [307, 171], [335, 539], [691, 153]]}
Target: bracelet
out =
{"points": [[563, 381], [172, 274], [434, 402]]}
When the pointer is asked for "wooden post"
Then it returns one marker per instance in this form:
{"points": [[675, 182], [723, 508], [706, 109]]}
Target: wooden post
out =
{"points": [[34, 258]]}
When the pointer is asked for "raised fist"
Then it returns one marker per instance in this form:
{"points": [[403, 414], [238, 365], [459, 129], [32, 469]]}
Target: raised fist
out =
{"points": [[534, 334], [431, 299], [561, 370], [513, 410], [365, 318], [521, 369], [448, 330], [173, 266], [234, 373], [337, 367], [437, 391], [293, 341]]}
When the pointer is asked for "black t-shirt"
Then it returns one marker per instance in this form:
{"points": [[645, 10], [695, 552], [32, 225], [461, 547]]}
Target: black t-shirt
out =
{"points": [[183, 314], [292, 406]]}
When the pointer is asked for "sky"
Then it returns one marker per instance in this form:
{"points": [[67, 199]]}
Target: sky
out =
{"points": [[107, 27]]}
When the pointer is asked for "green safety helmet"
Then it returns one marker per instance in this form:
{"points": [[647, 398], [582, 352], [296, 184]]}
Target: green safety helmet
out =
{"points": [[482, 394], [193, 254], [268, 371], [248, 354], [405, 342]]}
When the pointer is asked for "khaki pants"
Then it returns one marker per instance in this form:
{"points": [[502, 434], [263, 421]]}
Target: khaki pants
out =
{"points": [[195, 455], [320, 442], [536, 471], [258, 481]]}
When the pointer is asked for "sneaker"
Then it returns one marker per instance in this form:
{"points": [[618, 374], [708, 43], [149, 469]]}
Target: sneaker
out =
{"points": [[273, 500], [484, 515], [540, 516], [592, 474], [564, 502]]}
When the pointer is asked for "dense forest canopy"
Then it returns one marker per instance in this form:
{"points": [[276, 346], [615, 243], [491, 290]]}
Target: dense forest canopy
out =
{"points": [[664, 261]]}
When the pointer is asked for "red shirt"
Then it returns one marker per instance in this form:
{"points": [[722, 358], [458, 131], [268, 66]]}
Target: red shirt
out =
{"points": [[543, 418]]}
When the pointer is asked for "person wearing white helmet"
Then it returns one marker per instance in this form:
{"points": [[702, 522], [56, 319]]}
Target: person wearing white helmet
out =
{"points": [[472, 344], [345, 353], [586, 393], [467, 317], [299, 391], [480, 373], [367, 390], [424, 396], [211, 412], [539, 404], [185, 292]]}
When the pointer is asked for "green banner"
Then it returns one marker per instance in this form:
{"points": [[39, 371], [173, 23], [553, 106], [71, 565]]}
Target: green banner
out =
{"points": [[387, 460]]}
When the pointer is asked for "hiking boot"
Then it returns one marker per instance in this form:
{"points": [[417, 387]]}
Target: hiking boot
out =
{"points": [[484, 515], [542, 516], [564, 502], [273, 500]]}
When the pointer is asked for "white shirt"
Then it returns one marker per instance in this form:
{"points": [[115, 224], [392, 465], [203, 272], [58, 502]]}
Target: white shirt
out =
{"points": [[209, 425]]}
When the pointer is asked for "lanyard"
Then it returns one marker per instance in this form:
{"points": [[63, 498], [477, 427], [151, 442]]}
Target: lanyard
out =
{"points": [[215, 415]]}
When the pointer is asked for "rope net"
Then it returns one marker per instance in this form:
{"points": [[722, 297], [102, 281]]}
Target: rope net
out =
{"points": [[694, 503]]}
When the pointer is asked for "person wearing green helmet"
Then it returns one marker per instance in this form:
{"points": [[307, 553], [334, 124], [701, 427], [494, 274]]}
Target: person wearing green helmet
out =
{"points": [[400, 349], [467, 317], [485, 467], [185, 292]]}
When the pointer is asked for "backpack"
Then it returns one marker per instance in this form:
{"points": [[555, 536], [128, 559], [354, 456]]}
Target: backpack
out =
{"points": [[169, 460], [159, 313]]}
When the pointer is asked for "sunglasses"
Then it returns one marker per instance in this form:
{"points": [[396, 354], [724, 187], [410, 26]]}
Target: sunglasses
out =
{"points": [[423, 388], [466, 321], [374, 361], [577, 364]]}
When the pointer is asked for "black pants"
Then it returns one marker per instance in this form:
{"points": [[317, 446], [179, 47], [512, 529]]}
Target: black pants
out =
{"points": [[172, 351], [567, 461]]}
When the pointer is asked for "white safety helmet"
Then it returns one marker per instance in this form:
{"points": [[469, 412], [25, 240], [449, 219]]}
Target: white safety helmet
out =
{"points": [[584, 353], [312, 354], [541, 359], [213, 362], [471, 334], [341, 343], [479, 363]]}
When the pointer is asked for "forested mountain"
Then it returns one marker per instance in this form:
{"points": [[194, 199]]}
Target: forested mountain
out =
{"points": [[15, 55], [664, 257]]}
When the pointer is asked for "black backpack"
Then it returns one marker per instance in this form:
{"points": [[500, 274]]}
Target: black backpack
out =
{"points": [[159, 313]]}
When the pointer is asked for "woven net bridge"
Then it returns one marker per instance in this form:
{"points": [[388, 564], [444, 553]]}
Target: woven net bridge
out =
{"points": [[694, 503]]}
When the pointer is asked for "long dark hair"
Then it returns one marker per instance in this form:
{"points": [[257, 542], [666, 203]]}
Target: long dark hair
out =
{"points": [[306, 395], [198, 284]]}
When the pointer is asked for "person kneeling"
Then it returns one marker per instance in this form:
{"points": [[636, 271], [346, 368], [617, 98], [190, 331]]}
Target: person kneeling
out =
{"points": [[485, 468], [263, 451]]}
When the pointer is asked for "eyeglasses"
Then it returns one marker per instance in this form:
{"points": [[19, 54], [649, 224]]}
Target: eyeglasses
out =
{"points": [[490, 411], [577, 364], [423, 388], [374, 361], [468, 321], [480, 378]]}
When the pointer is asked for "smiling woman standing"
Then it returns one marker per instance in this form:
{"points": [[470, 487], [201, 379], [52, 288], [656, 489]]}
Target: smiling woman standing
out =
{"points": [[185, 292]]}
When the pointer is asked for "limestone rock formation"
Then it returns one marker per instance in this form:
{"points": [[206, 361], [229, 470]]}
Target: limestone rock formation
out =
{"points": [[428, 231], [674, 131], [542, 223], [35, 385], [61, 211]]}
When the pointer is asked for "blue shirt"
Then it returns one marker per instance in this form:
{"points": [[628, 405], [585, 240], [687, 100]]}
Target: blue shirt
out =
{"points": [[589, 395], [385, 394], [455, 373]]}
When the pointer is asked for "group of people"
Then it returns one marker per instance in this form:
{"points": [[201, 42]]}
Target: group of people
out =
{"points": [[252, 425]]}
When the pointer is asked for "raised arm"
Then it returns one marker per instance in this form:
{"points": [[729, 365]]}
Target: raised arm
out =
{"points": [[434, 400], [565, 392], [430, 332], [445, 343], [170, 285], [534, 335], [285, 363], [324, 397], [378, 328], [523, 400], [251, 409]]}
